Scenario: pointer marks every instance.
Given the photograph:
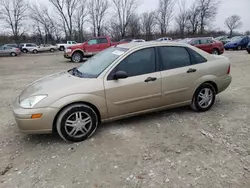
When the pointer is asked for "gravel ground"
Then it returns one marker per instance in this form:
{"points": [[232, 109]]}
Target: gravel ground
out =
{"points": [[171, 149]]}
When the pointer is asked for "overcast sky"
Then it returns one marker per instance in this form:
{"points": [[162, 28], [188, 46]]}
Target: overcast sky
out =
{"points": [[226, 9]]}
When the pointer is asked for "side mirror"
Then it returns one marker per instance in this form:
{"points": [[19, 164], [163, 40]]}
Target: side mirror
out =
{"points": [[120, 75]]}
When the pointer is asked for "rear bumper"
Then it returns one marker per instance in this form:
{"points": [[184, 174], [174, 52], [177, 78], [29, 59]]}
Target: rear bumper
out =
{"points": [[225, 82]]}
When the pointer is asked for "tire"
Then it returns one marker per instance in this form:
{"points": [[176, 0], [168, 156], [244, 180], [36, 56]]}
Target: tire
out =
{"points": [[239, 47], [205, 106], [76, 57], [13, 54], [52, 50], [226, 49], [73, 130], [25, 51], [248, 51], [61, 48], [34, 51], [215, 52]]}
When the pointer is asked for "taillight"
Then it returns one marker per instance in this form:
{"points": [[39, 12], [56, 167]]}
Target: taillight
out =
{"points": [[229, 69]]}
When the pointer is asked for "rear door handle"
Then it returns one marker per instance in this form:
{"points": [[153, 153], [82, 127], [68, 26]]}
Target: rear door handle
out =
{"points": [[191, 70], [150, 79]]}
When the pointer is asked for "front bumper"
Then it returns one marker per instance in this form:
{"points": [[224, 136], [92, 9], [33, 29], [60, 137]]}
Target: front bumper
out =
{"points": [[67, 55], [26, 124]]}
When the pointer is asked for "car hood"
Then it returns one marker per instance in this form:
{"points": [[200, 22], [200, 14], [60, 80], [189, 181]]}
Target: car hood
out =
{"points": [[60, 85]]}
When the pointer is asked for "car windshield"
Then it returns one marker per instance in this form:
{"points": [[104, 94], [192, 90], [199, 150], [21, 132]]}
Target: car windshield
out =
{"points": [[237, 38], [187, 41], [94, 66]]}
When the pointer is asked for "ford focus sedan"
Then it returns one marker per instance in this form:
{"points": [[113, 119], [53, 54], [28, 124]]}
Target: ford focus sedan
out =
{"points": [[119, 82]]}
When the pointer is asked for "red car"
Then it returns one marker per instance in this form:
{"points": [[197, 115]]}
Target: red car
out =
{"points": [[209, 45], [88, 48]]}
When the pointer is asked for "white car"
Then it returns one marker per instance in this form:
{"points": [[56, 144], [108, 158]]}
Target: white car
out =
{"points": [[62, 47], [138, 40], [165, 39], [43, 48], [25, 47]]}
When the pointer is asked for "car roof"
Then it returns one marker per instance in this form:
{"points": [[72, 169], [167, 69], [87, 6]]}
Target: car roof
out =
{"points": [[148, 44]]}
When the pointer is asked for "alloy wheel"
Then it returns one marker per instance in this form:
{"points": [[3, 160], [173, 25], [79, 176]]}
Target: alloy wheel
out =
{"points": [[205, 98]]}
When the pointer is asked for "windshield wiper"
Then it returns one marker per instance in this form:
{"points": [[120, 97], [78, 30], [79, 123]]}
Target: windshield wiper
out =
{"points": [[76, 72]]}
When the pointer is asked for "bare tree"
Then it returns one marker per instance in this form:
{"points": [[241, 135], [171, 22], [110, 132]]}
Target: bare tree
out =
{"points": [[233, 22], [208, 10], [97, 11], [124, 10], [193, 18], [182, 18], [148, 20], [13, 14], [80, 19], [66, 10], [134, 26], [165, 14]]}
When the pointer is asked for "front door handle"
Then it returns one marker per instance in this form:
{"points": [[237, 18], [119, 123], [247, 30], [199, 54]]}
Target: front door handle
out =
{"points": [[191, 70], [150, 79]]}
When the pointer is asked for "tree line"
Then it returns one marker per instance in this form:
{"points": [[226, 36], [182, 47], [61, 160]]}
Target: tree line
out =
{"points": [[68, 19]]}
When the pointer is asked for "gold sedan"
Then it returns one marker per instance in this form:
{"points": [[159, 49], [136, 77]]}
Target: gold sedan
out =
{"points": [[119, 82]]}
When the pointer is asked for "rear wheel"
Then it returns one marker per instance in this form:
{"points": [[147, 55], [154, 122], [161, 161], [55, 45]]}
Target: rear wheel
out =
{"points": [[215, 52], [52, 50], [77, 57], [34, 51], [61, 48], [13, 54], [248, 51], [204, 98], [77, 123], [25, 51]]}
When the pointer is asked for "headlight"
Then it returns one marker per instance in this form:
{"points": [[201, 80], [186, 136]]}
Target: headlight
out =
{"points": [[68, 50], [32, 101]]}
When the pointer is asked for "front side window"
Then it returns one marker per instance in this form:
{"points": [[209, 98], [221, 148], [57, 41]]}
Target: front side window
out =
{"points": [[139, 63], [174, 57], [92, 42], [195, 42]]}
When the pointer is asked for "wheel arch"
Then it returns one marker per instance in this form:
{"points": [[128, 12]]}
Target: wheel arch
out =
{"points": [[206, 80], [78, 51]]}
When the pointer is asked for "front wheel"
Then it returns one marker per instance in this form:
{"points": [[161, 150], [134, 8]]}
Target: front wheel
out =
{"points": [[77, 123], [248, 51], [215, 52], [239, 47], [25, 51], [35, 51], [77, 57], [204, 98], [13, 54]]}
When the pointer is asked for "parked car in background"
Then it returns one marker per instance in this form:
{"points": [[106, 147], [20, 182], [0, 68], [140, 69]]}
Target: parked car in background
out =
{"points": [[63, 46], [248, 48], [25, 47], [9, 51], [237, 43], [125, 40], [43, 48], [165, 39], [138, 40], [88, 48], [223, 39], [208, 44], [120, 82]]}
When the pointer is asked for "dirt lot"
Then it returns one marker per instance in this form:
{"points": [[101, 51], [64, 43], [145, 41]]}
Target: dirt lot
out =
{"points": [[172, 149]]}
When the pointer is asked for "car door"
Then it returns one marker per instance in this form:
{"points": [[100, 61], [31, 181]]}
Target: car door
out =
{"points": [[103, 43], [92, 47], [1, 51], [179, 73], [245, 42], [140, 91]]}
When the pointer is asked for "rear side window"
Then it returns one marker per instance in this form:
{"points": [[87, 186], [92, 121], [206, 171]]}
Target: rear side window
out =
{"points": [[103, 41], [205, 41], [197, 58], [195, 42], [174, 57]]}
